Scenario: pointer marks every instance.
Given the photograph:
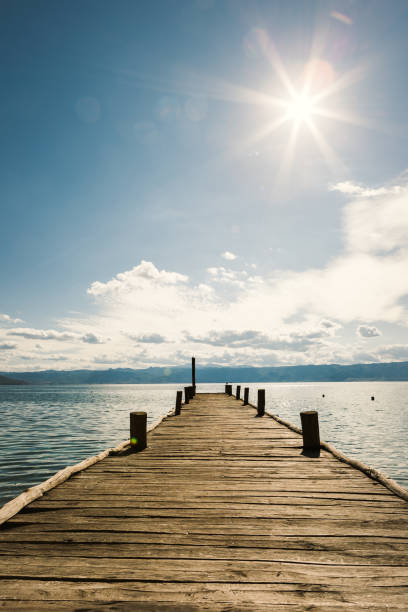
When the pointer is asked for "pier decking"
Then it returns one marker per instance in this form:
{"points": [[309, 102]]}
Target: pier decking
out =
{"points": [[222, 511]]}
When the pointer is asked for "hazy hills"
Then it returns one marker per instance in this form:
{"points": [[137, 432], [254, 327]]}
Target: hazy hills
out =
{"points": [[211, 374], [4, 380]]}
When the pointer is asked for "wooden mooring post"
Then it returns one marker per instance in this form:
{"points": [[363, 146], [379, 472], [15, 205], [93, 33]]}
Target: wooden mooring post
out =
{"points": [[246, 396], [186, 395], [238, 392], [193, 375], [138, 431], [261, 402], [179, 400], [228, 389], [310, 430]]}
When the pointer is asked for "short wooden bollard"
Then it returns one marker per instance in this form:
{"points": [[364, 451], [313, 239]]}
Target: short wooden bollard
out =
{"points": [[179, 399], [228, 389], [138, 431], [310, 430], [246, 396], [238, 393], [186, 395], [191, 392], [261, 402]]}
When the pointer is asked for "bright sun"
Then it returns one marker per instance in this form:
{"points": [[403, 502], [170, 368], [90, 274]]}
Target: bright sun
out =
{"points": [[300, 108]]}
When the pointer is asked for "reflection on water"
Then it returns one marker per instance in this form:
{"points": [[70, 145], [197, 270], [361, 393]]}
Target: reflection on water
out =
{"points": [[44, 429]]}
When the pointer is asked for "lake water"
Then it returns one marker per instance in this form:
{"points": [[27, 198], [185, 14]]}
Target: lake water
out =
{"points": [[44, 429]]}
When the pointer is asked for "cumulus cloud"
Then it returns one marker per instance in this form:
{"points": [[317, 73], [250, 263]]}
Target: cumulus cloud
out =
{"points": [[228, 276], [41, 334], [148, 338], [228, 255], [107, 360], [397, 352], [378, 227], [365, 331], [7, 347], [229, 338], [138, 278], [294, 341], [91, 338], [5, 318], [330, 326]]}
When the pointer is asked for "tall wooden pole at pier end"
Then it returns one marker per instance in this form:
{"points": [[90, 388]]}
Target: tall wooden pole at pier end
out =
{"points": [[193, 378]]}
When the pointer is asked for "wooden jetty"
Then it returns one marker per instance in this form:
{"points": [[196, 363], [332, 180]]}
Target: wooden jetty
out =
{"points": [[221, 511]]}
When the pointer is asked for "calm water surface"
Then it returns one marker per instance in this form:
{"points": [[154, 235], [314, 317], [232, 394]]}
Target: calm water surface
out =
{"points": [[43, 429]]}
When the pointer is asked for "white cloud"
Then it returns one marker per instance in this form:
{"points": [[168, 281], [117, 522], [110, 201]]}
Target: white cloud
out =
{"points": [[107, 360], [378, 226], [7, 347], [350, 188], [330, 326], [397, 352], [228, 255], [138, 278], [296, 340], [148, 338], [228, 276], [365, 331], [91, 338], [7, 319], [41, 334]]}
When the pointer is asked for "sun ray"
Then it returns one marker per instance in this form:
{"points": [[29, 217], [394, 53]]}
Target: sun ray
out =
{"points": [[191, 84], [277, 64], [288, 155], [347, 79], [334, 163], [345, 117], [248, 145]]}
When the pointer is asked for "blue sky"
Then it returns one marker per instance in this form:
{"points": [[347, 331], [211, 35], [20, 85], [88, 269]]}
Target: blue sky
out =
{"points": [[222, 178]]}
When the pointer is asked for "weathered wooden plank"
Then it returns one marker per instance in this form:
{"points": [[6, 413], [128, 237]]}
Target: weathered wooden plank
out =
{"points": [[167, 606], [125, 550], [208, 512], [291, 526], [367, 544], [200, 570], [213, 503], [203, 594], [308, 497]]}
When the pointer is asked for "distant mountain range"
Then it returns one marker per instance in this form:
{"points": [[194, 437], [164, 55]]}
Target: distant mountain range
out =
{"points": [[212, 374], [4, 380]]}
